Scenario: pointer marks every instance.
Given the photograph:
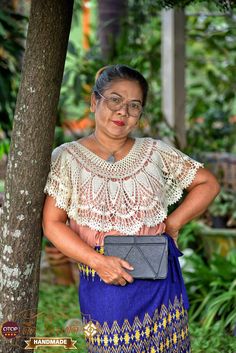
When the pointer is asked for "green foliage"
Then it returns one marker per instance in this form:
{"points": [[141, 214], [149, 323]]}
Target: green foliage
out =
{"points": [[80, 68], [165, 4], [211, 83], [4, 144], [1, 186], [77, 82], [212, 133], [11, 35], [212, 340], [57, 304], [232, 219], [211, 287], [189, 237], [224, 204]]}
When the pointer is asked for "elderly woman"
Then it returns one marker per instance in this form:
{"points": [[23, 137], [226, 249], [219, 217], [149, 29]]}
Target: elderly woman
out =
{"points": [[110, 183]]}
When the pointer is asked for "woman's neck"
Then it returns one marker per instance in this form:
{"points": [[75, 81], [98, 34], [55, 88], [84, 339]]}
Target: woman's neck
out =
{"points": [[110, 143]]}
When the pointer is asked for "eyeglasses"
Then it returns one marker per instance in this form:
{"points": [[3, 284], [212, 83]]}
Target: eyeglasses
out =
{"points": [[115, 103]]}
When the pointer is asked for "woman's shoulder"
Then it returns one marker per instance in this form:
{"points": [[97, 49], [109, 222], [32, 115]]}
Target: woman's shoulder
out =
{"points": [[162, 146], [64, 150], [157, 143], [151, 139], [167, 154]]}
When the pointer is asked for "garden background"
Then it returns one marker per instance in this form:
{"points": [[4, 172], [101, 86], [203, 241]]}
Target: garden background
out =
{"points": [[209, 261]]}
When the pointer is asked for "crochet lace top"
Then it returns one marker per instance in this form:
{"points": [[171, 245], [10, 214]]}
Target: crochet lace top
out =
{"points": [[124, 196]]}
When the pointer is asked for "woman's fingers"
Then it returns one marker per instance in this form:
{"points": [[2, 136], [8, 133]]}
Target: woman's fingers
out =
{"points": [[123, 283], [112, 271], [126, 264], [125, 276]]}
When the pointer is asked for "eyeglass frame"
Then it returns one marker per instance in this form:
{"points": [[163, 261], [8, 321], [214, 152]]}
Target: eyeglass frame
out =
{"points": [[106, 98]]}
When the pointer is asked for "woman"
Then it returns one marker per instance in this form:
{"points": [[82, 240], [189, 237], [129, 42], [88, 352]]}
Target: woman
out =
{"points": [[111, 183]]}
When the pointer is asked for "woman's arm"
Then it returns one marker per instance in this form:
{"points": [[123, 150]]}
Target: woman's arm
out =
{"points": [[109, 268], [201, 193]]}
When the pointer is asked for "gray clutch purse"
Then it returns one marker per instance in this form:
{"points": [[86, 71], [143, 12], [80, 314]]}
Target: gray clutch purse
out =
{"points": [[147, 254]]}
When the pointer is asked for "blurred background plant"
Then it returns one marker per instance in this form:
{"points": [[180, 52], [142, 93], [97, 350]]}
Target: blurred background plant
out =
{"points": [[223, 208], [210, 82], [12, 35], [211, 286]]}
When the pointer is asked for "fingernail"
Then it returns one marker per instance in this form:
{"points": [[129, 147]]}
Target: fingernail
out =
{"points": [[131, 268]]}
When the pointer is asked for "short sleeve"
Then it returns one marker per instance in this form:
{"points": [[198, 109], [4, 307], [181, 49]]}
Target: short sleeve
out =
{"points": [[58, 183], [178, 170]]}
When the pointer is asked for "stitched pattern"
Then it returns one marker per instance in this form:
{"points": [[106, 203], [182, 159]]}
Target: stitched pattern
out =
{"points": [[88, 272], [123, 196], [167, 331]]}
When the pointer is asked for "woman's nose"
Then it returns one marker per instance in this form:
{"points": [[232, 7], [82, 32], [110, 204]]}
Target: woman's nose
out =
{"points": [[123, 110]]}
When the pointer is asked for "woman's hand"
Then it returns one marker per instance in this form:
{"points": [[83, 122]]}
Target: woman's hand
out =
{"points": [[172, 230], [111, 270], [174, 233]]}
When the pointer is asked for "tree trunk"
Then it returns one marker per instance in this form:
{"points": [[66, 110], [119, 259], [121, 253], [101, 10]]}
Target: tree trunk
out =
{"points": [[28, 165], [111, 13]]}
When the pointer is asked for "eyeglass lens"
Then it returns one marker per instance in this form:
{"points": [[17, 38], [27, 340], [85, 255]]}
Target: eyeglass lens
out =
{"points": [[116, 103]]}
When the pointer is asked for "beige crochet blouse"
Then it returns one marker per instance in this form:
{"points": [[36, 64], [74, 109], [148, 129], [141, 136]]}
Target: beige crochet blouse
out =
{"points": [[125, 197]]}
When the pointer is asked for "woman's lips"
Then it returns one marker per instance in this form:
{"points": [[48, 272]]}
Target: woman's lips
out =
{"points": [[118, 122]]}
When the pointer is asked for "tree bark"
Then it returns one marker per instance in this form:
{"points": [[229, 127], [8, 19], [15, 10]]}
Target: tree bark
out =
{"points": [[28, 165], [111, 13]]}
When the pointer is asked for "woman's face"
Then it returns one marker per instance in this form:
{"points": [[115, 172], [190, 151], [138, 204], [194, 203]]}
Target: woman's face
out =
{"points": [[117, 123]]}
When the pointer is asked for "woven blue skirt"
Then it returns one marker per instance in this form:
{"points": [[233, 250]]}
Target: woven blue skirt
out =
{"points": [[146, 316]]}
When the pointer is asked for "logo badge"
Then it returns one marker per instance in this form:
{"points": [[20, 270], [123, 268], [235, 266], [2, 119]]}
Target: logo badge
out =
{"points": [[10, 329]]}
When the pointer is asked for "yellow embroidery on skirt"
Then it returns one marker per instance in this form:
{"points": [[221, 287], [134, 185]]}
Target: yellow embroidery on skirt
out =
{"points": [[166, 330], [89, 272]]}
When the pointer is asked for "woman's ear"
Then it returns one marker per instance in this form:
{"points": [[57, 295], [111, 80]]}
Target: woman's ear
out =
{"points": [[93, 103]]}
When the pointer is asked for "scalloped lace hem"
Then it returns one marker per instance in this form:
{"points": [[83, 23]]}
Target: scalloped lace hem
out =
{"points": [[188, 181], [105, 226]]}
